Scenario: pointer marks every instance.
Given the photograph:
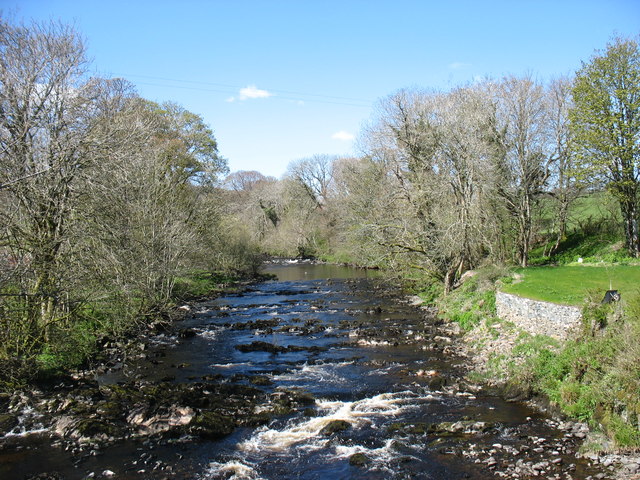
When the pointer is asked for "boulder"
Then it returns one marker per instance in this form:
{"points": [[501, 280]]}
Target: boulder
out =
{"points": [[358, 460], [211, 425], [335, 426]]}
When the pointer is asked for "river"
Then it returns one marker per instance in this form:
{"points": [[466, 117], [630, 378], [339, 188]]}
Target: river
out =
{"points": [[379, 395]]}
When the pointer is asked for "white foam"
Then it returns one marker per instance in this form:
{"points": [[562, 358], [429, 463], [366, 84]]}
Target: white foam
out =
{"points": [[373, 343], [25, 433], [30, 416], [237, 469], [384, 454], [325, 374], [230, 365], [208, 334], [357, 414]]}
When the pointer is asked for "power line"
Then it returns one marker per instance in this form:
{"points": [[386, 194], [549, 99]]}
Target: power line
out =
{"points": [[350, 101]]}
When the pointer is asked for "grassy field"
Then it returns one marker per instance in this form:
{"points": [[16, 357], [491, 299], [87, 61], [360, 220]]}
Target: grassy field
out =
{"points": [[570, 285]]}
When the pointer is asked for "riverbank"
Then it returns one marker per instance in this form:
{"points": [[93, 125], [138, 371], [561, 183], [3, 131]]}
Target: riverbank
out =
{"points": [[529, 366]]}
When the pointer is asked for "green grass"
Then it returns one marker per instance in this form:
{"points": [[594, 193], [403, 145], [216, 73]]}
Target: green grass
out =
{"points": [[591, 208], [570, 285], [595, 207]]}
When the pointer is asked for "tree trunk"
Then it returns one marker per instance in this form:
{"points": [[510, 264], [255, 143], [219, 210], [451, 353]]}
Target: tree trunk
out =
{"points": [[629, 209], [524, 240], [562, 223]]}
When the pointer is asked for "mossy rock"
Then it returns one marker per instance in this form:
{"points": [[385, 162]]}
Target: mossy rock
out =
{"points": [[437, 383], [335, 426], [419, 428], [260, 380], [92, 427], [7, 422], [109, 409], [303, 398], [458, 428], [358, 460], [212, 426], [285, 402], [256, 420]]}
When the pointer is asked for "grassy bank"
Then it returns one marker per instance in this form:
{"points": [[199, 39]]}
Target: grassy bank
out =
{"points": [[572, 284], [594, 377]]}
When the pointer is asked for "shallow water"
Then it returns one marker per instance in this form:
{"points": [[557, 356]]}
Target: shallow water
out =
{"points": [[364, 356]]}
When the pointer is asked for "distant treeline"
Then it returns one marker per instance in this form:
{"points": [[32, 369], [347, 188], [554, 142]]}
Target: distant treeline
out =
{"points": [[447, 181]]}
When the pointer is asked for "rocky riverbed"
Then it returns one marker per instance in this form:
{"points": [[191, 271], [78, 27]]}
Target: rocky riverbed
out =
{"points": [[303, 376]]}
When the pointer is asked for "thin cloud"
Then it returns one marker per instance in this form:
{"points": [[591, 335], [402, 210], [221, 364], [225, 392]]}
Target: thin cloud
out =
{"points": [[253, 92], [343, 136], [459, 65]]}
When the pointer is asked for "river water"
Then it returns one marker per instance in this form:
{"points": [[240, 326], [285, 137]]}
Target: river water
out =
{"points": [[372, 366]]}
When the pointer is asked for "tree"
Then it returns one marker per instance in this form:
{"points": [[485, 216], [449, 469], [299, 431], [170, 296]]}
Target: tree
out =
{"points": [[244, 181], [144, 204], [565, 186], [436, 155], [54, 124], [315, 175], [524, 164], [465, 161], [187, 143], [605, 120]]}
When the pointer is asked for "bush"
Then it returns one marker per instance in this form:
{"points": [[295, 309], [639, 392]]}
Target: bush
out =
{"points": [[474, 300]]}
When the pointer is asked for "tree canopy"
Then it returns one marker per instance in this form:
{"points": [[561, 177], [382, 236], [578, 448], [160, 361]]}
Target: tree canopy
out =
{"points": [[606, 124]]}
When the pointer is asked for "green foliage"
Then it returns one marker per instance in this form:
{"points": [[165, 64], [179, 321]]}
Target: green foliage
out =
{"points": [[605, 122], [594, 233], [624, 433], [201, 283], [430, 292], [474, 301]]}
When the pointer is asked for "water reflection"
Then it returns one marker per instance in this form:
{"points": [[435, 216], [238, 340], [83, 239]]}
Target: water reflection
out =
{"points": [[300, 270]]}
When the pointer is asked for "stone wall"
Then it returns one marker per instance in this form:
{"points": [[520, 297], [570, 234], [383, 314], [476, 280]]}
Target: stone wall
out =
{"points": [[538, 318]]}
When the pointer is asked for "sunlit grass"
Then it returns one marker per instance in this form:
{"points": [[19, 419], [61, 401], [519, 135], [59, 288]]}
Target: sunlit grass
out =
{"points": [[570, 285]]}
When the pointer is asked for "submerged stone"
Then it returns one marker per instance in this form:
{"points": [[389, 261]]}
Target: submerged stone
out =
{"points": [[211, 425], [335, 426], [460, 427], [260, 380], [358, 460], [260, 347], [437, 383], [418, 428], [7, 422]]}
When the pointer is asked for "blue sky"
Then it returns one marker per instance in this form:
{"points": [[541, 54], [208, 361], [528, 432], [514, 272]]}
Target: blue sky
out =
{"points": [[280, 80]]}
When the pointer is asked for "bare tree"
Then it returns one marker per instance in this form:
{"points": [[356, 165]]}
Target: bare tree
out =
{"points": [[143, 207], [565, 186], [315, 175], [436, 153], [244, 180], [524, 165], [464, 162]]}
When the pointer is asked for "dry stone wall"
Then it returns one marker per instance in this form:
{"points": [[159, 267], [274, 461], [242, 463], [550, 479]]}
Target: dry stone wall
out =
{"points": [[538, 318]]}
